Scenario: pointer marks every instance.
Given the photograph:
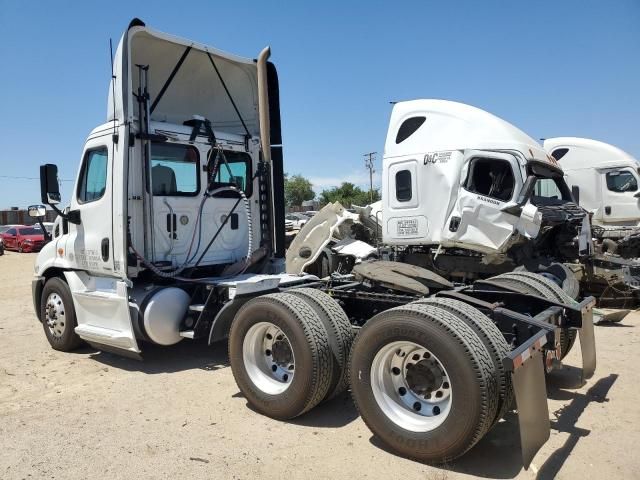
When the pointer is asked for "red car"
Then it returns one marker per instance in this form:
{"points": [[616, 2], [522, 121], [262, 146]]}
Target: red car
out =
{"points": [[23, 239]]}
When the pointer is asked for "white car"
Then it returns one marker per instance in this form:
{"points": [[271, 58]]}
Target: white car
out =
{"points": [[297, 219], [288, 225]]}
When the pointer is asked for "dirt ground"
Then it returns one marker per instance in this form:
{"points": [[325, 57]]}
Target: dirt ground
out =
{"points": [[179, 414]]}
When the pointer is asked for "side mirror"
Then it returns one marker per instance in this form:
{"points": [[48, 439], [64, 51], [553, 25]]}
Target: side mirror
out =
{"points": [[36, 211], [49, 188]]}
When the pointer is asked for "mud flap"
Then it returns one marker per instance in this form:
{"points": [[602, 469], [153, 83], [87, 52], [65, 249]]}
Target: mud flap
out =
{"points": [[527, 375], [587, 343]]}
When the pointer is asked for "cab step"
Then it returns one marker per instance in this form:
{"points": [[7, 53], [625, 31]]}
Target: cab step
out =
{"points": [[186, 334]]}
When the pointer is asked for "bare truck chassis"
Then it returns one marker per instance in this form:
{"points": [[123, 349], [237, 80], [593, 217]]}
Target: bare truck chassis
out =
{"points": [[531, 325]]}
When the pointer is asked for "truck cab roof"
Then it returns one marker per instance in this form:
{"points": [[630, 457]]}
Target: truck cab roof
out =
{"points": [[575, 153], [184, 79], [428, 125]]}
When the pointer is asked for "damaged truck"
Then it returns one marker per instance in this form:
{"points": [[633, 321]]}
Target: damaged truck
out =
{"points": [[469, 196], [175, 232], [605, 181]]}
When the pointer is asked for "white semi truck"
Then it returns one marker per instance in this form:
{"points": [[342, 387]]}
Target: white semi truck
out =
{"points": [[175, 229], [603, 178], [487, 199]]}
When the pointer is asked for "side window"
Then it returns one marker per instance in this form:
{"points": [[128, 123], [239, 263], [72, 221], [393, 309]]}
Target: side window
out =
{"points": [[11, 231], [238, 171], [93, 176], [174, 170], [558, 153], [490, 177], [621, 181], [403, 186], [408, 128], [56, 231]]}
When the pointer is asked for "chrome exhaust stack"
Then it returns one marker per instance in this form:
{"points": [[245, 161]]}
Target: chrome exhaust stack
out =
{"points": [[263, 104]]}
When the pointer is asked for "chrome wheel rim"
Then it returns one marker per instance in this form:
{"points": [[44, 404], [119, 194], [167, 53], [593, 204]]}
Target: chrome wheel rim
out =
{"points": [[268, 358], [55, 315], [411, 386]]}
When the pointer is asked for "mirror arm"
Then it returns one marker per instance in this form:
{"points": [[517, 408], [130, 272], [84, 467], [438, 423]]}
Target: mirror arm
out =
{"points": [[73, 216], [47, 235]]}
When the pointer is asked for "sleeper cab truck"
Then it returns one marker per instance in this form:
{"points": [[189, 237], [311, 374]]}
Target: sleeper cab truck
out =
{"points": [[174, 231], [602, 177]]}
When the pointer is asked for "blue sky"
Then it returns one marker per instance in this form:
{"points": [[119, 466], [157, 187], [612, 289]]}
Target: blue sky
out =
{"points": [[551, 68]]}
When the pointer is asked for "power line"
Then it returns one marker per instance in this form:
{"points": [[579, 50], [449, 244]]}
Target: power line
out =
{"points": [[30, 178]]}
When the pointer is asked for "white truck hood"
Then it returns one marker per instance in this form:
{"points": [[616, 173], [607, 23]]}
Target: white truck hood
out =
{"points": [[195, 89]]}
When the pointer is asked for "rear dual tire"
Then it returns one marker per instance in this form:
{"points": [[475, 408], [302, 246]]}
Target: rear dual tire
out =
{"points": [[424, 346], [536, 284], [288, 351]]}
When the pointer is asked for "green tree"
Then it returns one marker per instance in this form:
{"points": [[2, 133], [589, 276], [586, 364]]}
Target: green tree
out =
{"points": [[297, 189], [348, 195]]}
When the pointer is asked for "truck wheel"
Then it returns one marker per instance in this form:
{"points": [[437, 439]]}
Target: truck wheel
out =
{"points": [[59, 316], [493, 340], [560, 275], [536, 284], [339, 330], [423, 382], [280, 355]]}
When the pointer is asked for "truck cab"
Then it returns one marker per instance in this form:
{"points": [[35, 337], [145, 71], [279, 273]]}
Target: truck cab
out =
{"points": [[183, 180], [604, 178], [455, 176]]}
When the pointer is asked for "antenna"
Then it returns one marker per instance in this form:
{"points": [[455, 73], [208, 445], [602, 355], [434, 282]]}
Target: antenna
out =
{"points": [[114, 137]]}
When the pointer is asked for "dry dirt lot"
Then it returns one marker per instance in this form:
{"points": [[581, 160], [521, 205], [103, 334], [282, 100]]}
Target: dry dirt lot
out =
{"points": [[179, 414]]}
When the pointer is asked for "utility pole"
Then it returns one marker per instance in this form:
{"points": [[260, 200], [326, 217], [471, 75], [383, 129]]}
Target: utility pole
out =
{"points": [[368, 163]]}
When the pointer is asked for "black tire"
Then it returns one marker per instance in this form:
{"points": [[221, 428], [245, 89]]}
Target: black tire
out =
{"points": [[559, 274], [473, 381], [493, 340], [310, 345], [56, 301], [536, 284], [340, 333]]}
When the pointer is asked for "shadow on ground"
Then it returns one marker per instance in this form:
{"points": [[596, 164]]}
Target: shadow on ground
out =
{"points": [[335, 413], [497, 455], [186, 355]]}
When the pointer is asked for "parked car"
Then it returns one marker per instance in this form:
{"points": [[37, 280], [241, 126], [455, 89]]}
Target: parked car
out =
{"points": [[298, 219], [288, 225], [4, 228], [310, 213], [23, 238]]}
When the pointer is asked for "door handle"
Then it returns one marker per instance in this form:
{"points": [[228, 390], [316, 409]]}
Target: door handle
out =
{"points": [[607, 210], [104, 247]]}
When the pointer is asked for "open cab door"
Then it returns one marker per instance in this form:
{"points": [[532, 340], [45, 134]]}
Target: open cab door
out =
{"points": [[489, 182]]}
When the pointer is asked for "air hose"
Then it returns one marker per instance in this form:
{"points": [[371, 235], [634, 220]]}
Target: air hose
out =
{"points": [[198, 226]]}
